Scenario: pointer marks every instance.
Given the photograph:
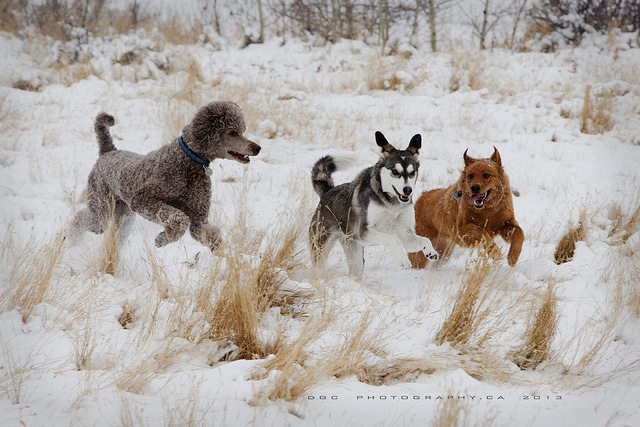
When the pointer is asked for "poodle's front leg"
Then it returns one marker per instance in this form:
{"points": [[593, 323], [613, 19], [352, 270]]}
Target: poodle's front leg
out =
{"points": [[175, 224], [207, 234]]}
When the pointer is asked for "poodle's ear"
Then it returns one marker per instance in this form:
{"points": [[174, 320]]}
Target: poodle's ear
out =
{"points": [[384, 144], [415, 144]]}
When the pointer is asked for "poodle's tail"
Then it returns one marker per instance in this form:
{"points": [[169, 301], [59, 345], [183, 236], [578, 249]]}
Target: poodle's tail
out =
{"points": [[324, 168], [102, 124]]}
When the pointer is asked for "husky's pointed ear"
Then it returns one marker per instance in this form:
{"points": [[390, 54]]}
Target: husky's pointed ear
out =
{"points": [[415, 144], [496, 156], [384, 144], [467, 160]]}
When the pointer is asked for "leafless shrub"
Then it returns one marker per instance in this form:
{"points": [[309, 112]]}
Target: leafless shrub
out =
{"points": [[554, 21]]}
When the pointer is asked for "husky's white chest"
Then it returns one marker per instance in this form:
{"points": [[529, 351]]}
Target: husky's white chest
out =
{"points": [[386, 219]]}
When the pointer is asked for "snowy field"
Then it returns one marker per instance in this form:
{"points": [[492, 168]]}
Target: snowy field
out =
{"points": [[137, 345]]}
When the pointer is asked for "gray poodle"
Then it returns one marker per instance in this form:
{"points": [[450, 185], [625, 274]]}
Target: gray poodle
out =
{"points": [[169, 186]]}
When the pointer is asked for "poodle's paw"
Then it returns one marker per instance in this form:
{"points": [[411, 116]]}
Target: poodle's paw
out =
{"points": [[162, 240], [212, 238], [208, 235], [215, 244]]}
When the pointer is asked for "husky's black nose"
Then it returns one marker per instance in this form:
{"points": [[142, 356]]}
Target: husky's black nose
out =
{"points": [[475, 188], [407, 191]]}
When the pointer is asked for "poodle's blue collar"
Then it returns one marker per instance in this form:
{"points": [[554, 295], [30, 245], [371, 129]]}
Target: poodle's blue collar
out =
{"points": [[194, 156]]}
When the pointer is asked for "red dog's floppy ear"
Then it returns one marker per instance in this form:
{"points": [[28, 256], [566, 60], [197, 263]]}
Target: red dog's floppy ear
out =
{"points": [[384, 144], [415, 144]]}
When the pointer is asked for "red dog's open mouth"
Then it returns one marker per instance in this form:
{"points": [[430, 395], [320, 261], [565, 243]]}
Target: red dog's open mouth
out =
{"points": [[479, 199], [239, 157]]}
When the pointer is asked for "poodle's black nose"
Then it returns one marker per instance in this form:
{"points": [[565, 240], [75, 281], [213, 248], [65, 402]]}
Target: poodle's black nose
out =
{"points": [[475, 188]]}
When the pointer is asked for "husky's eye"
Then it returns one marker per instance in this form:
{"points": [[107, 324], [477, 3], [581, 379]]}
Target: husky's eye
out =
{"points": [[412, 175], [395, 172], [486, 175]]}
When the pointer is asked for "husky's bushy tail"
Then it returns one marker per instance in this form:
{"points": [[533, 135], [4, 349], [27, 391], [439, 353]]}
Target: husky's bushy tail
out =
{"points": [[102, 124], [321, 174]]}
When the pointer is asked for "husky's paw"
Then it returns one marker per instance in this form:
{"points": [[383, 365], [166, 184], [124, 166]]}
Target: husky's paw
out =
{"points": [[431, 254], [406, 264]]}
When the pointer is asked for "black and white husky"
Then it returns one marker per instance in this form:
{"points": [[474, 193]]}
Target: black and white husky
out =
{"points": [[376, 208]]}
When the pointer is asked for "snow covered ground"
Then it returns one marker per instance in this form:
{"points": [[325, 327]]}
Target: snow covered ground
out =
{"points": [[69, 360]]}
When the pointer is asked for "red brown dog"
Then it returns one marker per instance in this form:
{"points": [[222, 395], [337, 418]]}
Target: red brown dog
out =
{"points": [[470, 212]]}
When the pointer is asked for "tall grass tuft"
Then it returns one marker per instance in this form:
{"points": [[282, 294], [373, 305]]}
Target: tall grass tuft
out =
{"points": [[596, 113], [295, 375], [250, 289], [567, 245], [292, 380], [464, 319], [539, 335], [624, 226], [31, 275]]}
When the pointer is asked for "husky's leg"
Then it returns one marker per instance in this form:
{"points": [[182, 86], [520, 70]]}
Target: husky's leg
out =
{"points": [[393, 243], [355, 256], [421, 244]]}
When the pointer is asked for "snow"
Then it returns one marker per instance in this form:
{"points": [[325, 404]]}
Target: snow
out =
{"points": [[301, 101]]}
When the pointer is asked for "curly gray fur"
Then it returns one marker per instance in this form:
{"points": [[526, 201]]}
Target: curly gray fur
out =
{"points": [[165, 186]]}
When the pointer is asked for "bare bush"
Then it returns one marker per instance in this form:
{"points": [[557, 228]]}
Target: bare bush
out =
{"points": [[568, 20]]}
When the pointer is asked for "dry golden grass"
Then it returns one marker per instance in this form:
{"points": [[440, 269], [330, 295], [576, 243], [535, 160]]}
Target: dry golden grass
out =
{"points": [[135, 376], [596, 115], [351, 358], [293, 380], [567, 245], [248, 292], [14, 373], [388, 73], [239, 290], [466, 70], [450, 413], [295, 377], [84, 342], [110, 254], [539, 334], [32, 271], [177, 33], [623, 225], [464, 319]]}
